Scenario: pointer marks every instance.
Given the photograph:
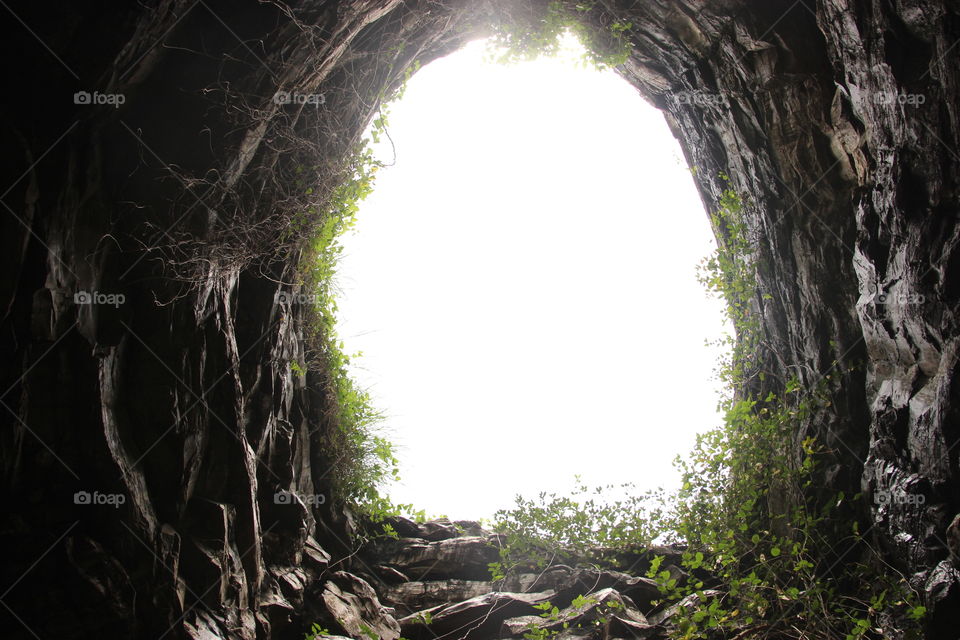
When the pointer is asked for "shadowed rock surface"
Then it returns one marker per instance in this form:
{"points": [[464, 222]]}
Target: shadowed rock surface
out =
{"points": [[837, 119]]}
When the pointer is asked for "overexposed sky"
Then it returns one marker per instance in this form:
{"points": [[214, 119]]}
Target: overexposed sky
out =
{"points": [[522, 284]]}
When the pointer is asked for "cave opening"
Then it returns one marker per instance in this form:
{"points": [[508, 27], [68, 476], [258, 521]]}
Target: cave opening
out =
{"points": [[522, 285], [154, 155]]}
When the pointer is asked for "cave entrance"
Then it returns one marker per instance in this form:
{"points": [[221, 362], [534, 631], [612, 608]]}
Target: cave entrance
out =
{"points": [[522, 284]]}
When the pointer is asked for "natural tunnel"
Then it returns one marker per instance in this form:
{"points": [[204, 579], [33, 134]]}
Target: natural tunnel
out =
{"points": [[154, 171]]}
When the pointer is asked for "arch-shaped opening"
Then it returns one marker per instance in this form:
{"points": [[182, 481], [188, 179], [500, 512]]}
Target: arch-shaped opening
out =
{"points": [[522, 284], [197, 409]]}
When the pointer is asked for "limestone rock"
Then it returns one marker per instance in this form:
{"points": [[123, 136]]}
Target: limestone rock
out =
{"points": [[410, 597], [464, 558], [664, 615], [353, 603], [478, 617], [638, 590], [600, 609]]}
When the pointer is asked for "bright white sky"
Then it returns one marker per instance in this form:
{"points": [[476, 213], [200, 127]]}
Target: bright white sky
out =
{"points": [[522, 284]]}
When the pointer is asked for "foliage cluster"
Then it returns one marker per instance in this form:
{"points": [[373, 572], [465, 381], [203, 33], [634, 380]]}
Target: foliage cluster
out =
{"points": [[363, 458], [742, 515], [731, 273], [534, 29], [562, 529], [552, 621]]}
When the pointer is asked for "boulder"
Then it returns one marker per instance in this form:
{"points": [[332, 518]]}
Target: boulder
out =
{"points": [[601, 609], [641, 591], [354, 605], [436, 529], [389, 575], [479, 617], [664, 615], [549, 579], [464, 558], [410, 597], [315, 555]]}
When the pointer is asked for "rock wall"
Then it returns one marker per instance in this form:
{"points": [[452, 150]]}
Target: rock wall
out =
{"points": [[150, 414]]}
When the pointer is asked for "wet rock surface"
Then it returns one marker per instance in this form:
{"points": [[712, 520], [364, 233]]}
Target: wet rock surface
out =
{"points": [[150, 414]]}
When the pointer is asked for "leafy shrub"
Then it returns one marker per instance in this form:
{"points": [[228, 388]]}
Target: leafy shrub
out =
{"points": [[742, 516], [533, 29], [316, 632], [564, 529], [363, 459]]}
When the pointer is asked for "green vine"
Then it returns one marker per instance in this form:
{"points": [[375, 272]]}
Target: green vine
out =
{"points": [[364, 459]]}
